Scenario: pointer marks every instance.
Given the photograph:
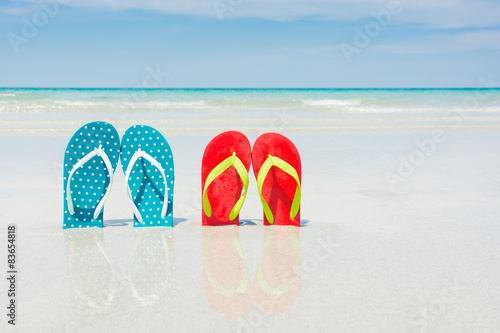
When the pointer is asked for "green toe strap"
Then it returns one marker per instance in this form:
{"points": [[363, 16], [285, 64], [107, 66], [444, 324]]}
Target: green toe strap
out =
{"points": [[231, 161], [264, 170]]}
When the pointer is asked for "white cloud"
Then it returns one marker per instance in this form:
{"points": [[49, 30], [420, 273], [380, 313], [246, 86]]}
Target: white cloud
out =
{"points": [[17, 10], [429, 13], [480, 40], [453, 13]]}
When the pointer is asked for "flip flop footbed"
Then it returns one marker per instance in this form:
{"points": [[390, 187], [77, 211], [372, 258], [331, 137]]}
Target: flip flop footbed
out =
{"points": [[226, 189], [146, 183], [279, 187], [90, 182]]}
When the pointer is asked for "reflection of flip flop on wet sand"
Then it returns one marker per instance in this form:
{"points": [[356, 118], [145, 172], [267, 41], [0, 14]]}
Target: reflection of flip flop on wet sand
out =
{"points": [[277, 281], [151, 264], [225, 272], [91, 274]]}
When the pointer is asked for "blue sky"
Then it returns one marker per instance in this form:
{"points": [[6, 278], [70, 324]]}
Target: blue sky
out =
{"points": [[249, 43]]}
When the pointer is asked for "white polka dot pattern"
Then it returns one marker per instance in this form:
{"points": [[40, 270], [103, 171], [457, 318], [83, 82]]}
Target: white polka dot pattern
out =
{"points": [[146, 183], [90, 182]]}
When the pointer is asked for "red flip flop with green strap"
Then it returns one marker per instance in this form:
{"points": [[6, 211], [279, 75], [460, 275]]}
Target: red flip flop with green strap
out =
{"points": [[224, 175], [277, 167]]}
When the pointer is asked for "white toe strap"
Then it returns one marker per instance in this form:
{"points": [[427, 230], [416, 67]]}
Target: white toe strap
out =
{"points": [[97, 152], [138, 154]]}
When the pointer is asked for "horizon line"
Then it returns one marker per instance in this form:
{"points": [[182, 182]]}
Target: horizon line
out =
{"points": [[250, 88]]}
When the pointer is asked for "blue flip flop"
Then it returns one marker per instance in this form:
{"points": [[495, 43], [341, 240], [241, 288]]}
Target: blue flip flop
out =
{"points": [[90, 160], [148, 164]]}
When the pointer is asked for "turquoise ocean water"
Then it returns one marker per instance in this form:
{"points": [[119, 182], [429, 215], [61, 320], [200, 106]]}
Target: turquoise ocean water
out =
{"points": [[325, 109]]}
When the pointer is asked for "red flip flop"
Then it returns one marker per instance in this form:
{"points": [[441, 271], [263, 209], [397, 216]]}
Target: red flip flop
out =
{"points": [[224, 174], [277, 167]]}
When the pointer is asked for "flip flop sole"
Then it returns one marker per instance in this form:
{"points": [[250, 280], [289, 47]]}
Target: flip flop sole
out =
{"points": [[146, 182], [90, 182], [225, 190], [279, 187]]}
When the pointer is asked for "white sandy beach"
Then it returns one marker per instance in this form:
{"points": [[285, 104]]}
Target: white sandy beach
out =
{"points": [[423, 257]]}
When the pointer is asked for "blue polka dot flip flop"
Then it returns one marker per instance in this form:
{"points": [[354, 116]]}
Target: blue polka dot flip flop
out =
{"points": [[90, 160], [148, 164]]}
